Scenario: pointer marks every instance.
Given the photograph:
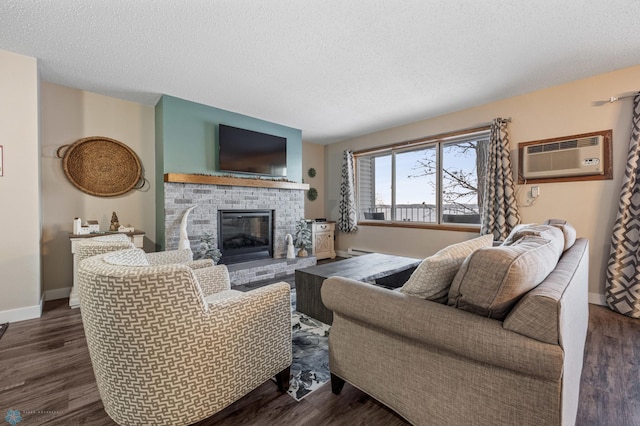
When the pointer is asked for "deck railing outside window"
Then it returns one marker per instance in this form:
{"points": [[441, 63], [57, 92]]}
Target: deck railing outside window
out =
{"points": [[427, 213]]}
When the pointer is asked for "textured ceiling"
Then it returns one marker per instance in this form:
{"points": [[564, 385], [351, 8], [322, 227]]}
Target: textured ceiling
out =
{"points": [[334, 69]]}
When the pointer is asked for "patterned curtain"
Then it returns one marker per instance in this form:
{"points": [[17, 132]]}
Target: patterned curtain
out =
{"points": [[482, 160], [500, 211], [347, 209], [623, 269]]}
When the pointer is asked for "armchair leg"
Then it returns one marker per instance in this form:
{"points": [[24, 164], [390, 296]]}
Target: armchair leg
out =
{"points": [[282, 379], [336, 384]]}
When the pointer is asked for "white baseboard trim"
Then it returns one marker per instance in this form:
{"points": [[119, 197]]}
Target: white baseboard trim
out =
{"points": [[341, 253], [597, 299], [57, 293], [22, 314]]}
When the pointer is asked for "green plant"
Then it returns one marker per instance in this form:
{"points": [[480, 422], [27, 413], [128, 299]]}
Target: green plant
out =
{"points": [[302, 234], [208, 249]]}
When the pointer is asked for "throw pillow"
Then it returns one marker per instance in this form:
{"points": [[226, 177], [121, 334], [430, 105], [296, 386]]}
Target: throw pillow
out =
{"points": [[432, 278], [516, 229], [492, 280], [567, 229]]}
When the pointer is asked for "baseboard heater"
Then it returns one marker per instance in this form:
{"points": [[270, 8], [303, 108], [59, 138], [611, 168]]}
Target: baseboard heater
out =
{"points": [[352, 252]]}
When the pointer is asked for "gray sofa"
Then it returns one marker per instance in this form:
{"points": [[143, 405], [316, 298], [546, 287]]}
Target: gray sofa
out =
{"points": [[436, 364]]}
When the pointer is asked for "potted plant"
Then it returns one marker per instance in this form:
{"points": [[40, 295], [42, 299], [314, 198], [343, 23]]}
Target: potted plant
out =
{"points": [[208, 249], [302, 237]]}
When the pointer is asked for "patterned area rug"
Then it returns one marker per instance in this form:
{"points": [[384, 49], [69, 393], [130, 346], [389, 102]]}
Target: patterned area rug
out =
{"points": [[310, 367], [3, 328], [310, 344]]}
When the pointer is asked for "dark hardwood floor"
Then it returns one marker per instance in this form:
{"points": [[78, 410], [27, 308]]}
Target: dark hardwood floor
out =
{"points": [[46, 374]]}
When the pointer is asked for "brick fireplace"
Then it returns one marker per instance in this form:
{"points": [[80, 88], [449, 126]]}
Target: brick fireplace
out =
{"points": [[211, 194]]}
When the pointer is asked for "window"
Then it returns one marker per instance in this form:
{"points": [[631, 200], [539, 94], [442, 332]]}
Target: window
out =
{"points": [[430, 181]]}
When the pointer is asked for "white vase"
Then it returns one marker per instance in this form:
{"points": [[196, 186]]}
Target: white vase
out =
{"points": [[77, 225]]}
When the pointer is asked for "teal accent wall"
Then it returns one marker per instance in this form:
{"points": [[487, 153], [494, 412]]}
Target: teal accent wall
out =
{"points": [[186, 142], [189, 131]]}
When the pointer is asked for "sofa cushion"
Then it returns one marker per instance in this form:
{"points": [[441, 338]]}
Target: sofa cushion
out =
{"points": [[130, 257], [432, 278], [567, 229], [516, 229], [492, 280]]}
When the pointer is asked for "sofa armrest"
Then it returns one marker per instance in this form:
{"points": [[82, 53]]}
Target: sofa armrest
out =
{"points": [[171, 256], [212, 279], [443, 327], [564, 293]]}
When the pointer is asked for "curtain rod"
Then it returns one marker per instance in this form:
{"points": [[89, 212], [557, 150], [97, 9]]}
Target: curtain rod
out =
{"points": [[504, 120], [433, 138], [427, 139], [612, 99]]}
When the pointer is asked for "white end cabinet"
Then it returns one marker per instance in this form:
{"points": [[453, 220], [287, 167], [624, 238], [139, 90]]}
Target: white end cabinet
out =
{"points": [[322, 239]]}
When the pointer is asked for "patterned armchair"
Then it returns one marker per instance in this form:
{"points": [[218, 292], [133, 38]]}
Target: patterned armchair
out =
{"points": [[104, 244], [108, 243], [174, 345]]}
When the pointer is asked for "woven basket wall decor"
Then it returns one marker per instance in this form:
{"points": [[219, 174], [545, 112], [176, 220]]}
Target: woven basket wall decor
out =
{"points": [[101, 166]]}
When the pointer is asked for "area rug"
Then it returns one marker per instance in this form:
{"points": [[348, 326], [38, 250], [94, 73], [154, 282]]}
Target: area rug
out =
{"points": [[3, 328], [310, 348]]}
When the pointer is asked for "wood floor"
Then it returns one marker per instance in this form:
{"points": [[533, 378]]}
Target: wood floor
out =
{"points": [[46, 374]]}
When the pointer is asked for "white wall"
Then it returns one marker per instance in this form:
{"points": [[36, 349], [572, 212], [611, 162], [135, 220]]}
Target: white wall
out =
{"points": [[20, 287], [68, 115], [558, 111]]}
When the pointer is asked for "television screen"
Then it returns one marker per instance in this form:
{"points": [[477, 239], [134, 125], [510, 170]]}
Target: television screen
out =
{"points": [[246, 151]]}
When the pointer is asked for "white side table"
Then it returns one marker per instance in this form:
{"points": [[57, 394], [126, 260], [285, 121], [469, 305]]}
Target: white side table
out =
{"points": [[322, 239], [136, 237]]}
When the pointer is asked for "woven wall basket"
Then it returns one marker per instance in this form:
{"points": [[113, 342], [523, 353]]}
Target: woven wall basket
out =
{"points": [[101, 166]]}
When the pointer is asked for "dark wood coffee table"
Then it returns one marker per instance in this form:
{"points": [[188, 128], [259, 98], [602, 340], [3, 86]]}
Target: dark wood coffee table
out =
{"points": [[380, 269]]}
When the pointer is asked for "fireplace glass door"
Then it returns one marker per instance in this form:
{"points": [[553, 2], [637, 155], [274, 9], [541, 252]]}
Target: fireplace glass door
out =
{"points": [[244, 235]]}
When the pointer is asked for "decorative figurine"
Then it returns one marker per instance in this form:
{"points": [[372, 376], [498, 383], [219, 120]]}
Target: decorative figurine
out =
{"points": [[94, 226], [184, 237], [115, 224], [291, 254]]}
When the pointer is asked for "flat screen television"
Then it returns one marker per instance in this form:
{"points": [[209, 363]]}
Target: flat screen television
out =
{"points": [[246, 151]]}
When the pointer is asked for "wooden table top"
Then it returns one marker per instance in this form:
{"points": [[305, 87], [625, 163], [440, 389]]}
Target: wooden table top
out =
{"points": [[367, 267]]}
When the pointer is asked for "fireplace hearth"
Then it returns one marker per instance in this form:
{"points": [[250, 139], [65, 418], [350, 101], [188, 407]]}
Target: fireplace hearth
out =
{"points": [[245, 235]]}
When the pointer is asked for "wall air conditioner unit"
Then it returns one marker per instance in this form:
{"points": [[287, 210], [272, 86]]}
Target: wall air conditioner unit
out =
{"points": [[571, 157]]}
